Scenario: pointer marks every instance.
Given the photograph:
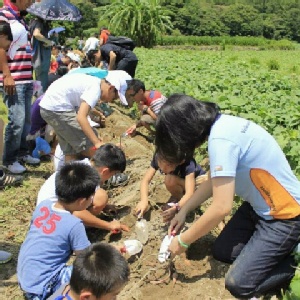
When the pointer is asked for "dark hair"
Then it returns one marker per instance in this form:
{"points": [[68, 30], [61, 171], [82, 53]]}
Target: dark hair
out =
{"points": [[183, 124], [75, 180], [62, 70], [85, 63], [58, 47], [91, 56], [6, 30], [135, 85], [100, 269], [110, 156]]}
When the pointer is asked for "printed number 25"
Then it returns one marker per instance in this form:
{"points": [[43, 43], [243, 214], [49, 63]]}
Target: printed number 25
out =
{"points": [[41, 221]]}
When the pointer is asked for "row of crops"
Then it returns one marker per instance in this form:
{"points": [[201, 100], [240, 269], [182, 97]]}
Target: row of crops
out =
{"points": [[263, 86]]}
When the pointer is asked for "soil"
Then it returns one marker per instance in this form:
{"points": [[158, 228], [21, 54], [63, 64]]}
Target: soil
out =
{"points": [[199, 275]]}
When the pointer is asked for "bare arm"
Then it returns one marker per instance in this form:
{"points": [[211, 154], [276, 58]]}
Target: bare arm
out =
{"points": [[143, 204], [8, 82], [83, 112], [189, 189], [151, 113], [91, 220], [112, 60], [223, 195], [38, 35]]}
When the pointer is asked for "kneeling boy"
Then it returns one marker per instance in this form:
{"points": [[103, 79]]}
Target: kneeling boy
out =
{"points": [[108, 160], [54, 233]]}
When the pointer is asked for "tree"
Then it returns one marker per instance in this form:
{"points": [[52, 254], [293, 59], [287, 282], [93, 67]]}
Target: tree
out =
{"points": [[142, 20], [242, 20]]}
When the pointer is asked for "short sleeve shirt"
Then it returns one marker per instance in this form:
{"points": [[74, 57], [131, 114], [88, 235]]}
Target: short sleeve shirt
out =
{"points": [[68, 92], [155, 101], [242, 149], [53, 236], [182, 170], [47, 191]]}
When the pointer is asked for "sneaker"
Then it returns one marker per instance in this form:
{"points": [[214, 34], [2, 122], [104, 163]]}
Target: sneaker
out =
{"points": [[10, 180], [119, 179], [5, 257], [28, 159], [16, 168]]}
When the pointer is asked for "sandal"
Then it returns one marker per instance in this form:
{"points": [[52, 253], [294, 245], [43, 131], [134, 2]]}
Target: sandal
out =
{"points": [[10, 180], [119, 179]]}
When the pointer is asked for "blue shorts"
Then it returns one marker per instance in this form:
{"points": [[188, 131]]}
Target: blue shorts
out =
{"points": [[53, 285]]}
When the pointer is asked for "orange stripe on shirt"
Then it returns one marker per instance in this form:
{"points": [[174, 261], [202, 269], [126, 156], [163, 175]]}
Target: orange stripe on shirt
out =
{"points": [[282, 204]]}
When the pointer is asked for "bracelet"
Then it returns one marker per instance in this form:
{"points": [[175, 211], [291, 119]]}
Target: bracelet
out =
{"points": [[181, 243], [177, 207]]}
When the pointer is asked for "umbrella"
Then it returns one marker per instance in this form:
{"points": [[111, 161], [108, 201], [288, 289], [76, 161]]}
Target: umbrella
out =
{"points": [[58, 10], [56, 30]]}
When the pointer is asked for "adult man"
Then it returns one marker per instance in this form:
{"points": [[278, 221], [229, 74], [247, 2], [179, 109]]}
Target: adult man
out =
{"points": [[119, 58], [16, 80], [11, 37]]}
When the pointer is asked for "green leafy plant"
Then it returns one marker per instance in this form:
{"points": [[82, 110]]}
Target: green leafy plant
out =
{"points": [[143, 21]]}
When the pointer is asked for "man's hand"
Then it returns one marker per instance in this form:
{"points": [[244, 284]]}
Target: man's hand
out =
{"points": [[9, 85]]}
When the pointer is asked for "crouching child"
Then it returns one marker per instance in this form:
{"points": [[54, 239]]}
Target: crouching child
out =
{"points": [[55, 233]]}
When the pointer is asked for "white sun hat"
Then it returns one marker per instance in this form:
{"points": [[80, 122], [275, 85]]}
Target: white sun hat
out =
{"points": [[118, 79]]}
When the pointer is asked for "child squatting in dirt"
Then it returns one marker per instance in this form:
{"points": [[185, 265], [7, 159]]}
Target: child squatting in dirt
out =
{"points": [[108, 160], [181, 180]]}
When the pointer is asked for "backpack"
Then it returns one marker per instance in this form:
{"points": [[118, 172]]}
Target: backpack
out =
{"points": [[122, 41]]}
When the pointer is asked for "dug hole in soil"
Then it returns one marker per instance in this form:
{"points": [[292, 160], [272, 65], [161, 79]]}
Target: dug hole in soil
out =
{"points": [[199, 275]]}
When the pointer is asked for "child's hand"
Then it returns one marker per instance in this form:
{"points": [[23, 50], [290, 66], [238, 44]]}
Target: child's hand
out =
{"points": [[141, 208], [131, 130], [116, 226], [169, 214]]}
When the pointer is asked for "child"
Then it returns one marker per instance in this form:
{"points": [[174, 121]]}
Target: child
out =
{"points": [[54, 232], [149, 103], [180, 181], [99, 272], [67, 103], [108, 160]]}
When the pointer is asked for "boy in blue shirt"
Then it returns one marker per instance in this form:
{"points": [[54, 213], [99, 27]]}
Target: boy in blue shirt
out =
{"points": [[55, 233]]}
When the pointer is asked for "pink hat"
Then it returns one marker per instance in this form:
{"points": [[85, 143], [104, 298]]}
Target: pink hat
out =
{"points": [[20, 38]]}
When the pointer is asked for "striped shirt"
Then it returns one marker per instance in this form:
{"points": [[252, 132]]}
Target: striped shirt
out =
{"points": [[155, 101], [20, 66]]}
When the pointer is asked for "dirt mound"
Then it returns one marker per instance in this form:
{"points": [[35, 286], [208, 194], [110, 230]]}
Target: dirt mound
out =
{"points": [[199, 275]]}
